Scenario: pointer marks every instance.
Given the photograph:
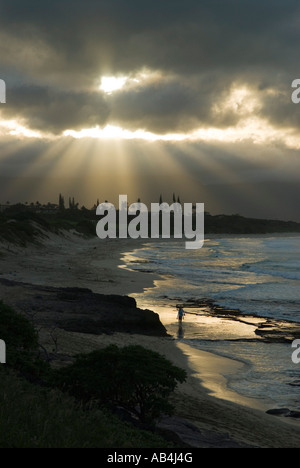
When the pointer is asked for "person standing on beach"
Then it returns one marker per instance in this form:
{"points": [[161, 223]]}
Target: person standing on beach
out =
{"points": [[180, 314]]}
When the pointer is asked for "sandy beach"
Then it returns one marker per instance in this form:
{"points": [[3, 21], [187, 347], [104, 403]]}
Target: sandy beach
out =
{"points": [[204, 399]]}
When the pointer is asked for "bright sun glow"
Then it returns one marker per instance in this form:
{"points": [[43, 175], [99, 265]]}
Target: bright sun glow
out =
{"points": [[257, 130], [112, 83], [13, 127]]}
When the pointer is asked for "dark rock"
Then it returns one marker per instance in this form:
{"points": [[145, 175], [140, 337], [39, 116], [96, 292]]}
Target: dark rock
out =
{"points": [[75, 294], [293, 414], [81, 310], [287, 413], [278, 411], [296, 383], [122, 319]]}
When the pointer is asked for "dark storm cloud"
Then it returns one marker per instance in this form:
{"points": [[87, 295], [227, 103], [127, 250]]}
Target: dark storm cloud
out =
{"points": [[171, 34], [63, 47], [53, 111], [159, 108], [172, 106], [279, 109]]}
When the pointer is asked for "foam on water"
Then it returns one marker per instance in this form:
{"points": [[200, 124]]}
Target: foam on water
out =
{"points": [[258, 275]]}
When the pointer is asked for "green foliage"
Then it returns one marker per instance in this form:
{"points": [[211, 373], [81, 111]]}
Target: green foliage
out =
{"points": [[21, 343], [16, 330], [35, 417], [134, 377]]}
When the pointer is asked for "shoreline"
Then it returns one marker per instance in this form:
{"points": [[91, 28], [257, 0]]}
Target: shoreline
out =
{"points": [[72, 262]]}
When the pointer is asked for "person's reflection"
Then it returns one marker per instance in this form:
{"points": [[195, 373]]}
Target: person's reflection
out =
{"points": [[180, 332]]}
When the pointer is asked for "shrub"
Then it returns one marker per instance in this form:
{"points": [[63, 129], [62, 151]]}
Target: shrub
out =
{"points": [[36, 417], [16, 330], [133, 377], [21, 343]]}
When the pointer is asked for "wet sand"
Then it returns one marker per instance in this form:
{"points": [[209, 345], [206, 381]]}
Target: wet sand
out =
{"points": [[204, 399]]}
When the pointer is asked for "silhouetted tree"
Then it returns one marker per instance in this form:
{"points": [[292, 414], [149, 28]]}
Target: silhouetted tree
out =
{"points": [[61, 202], [72, 204]]}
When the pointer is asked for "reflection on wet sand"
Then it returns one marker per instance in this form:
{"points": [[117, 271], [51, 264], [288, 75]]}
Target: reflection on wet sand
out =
{"points": [[180, 331]]}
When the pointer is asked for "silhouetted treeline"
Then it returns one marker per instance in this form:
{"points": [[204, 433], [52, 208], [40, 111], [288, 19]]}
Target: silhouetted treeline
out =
{"points": [[23, 224]]}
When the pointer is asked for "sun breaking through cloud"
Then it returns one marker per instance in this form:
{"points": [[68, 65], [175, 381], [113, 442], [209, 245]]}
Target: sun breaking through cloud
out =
{"points": [[151, 82]]}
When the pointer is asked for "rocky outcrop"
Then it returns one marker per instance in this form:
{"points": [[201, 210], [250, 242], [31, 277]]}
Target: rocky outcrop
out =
{"points": [[286, 412], [80, 310]]}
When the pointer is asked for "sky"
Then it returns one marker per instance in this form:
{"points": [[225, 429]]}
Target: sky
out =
{"points": [[149, 98]]}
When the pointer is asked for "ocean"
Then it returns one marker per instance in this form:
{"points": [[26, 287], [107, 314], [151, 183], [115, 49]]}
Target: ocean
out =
{"points": [[256, 274]]}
